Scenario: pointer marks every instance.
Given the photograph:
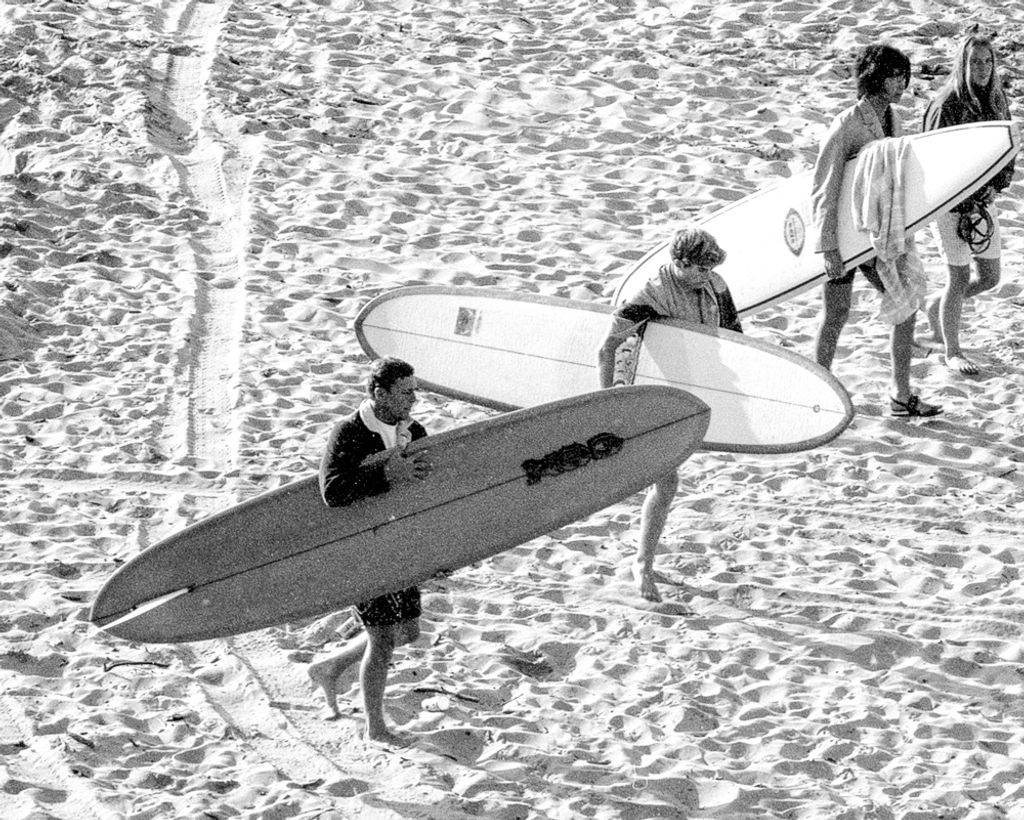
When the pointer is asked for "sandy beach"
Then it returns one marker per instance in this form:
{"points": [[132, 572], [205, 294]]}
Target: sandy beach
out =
{"points": [[198, 198]]}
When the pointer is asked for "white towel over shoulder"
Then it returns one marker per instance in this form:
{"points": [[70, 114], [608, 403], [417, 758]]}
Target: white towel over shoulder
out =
{"points": [[878, 197]]}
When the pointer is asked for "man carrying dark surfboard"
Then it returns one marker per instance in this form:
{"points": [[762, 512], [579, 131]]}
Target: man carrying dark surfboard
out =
{"points": [[882, 73], [382, 422], [687, 289]]}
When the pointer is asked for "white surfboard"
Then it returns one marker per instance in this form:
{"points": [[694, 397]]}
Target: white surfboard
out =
{"points": [[508, 350], [767, 236]]}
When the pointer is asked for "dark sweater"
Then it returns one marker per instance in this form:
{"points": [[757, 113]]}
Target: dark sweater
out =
{"points": [[342, 478]]}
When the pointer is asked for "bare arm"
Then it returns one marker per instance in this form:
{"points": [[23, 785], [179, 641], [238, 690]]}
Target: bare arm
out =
{"points": [[606, 359], [834, 267], [617, 334]]}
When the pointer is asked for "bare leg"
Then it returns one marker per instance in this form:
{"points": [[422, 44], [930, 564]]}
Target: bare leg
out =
{"points": [[988, 277], [836, 310], [373, 677], [326, 673], [950, 311], [933, 310], [900, 352], [960, 286], [652, 522]]}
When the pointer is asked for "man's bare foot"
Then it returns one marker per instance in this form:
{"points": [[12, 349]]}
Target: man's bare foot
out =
{"points": [[386, 737], [962, 364], [323, 675], [645, 581]]}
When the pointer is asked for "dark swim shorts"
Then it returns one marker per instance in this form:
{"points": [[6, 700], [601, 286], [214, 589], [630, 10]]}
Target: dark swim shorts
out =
{"points": [[869, 271], [390, 609]]}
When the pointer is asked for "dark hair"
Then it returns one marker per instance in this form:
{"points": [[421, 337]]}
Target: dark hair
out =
{"points": [[695, 246], [876, 64], [385, 372]]}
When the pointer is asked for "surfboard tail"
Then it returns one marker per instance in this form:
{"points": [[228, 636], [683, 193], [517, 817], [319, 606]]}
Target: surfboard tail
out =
{"points": [[141, 609]]}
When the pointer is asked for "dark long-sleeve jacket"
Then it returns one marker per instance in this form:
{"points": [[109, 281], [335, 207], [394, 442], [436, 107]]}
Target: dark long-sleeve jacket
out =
{"points": [[342, 478]]}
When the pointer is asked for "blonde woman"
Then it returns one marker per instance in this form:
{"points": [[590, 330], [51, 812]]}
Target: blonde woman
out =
{"points": [[973, 93]]}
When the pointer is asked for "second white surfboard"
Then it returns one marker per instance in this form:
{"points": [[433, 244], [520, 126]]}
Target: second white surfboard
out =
{"points": [[509, 350]]}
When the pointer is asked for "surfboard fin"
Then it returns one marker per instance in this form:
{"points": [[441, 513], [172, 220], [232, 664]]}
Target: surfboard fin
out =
{"points": [[142, 609]]}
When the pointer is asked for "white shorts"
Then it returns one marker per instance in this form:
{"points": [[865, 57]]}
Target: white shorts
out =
{"points": [[954, 249]]}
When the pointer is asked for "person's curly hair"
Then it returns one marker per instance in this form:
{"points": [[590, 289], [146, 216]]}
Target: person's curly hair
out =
{"points": [[876, 64], [695, 246]]}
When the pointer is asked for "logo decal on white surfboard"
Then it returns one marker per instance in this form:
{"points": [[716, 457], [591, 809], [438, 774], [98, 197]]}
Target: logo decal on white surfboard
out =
{"points": [[467, 322], [794, 231]]}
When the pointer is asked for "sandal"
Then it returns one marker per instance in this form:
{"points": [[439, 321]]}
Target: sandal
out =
{"points": [[913, 408]]}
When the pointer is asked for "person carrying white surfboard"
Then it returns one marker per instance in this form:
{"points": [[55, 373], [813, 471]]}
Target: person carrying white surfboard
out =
{"points": [[973, 93], [687, 288], [382, 422], [882, 73]]}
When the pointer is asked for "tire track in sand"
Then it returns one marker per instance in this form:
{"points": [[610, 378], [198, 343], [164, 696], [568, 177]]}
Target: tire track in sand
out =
{"points": [[214, 161]]}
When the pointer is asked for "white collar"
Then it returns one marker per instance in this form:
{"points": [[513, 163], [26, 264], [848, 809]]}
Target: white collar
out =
{"points": [[394, 435]]}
